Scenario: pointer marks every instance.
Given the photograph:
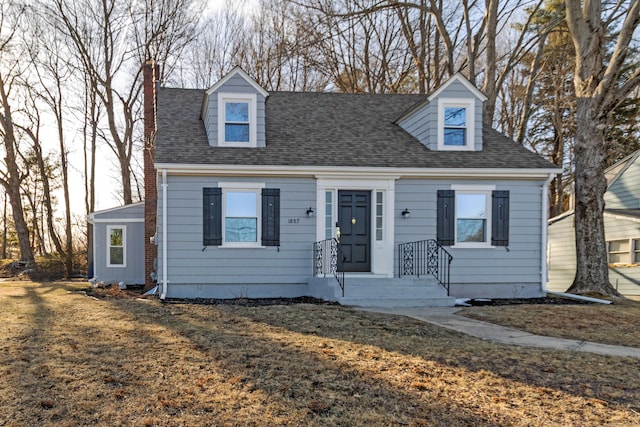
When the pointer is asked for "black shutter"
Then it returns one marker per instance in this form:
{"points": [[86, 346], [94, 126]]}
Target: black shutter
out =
{"points": [[270, 217], [211, 216], [446, 217], [500, 219]]}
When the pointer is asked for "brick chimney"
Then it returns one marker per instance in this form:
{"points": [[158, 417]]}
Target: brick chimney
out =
{"points": [[151, 76]]}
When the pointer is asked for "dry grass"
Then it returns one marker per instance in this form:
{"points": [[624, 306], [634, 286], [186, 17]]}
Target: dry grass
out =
{"points": [[67, 360], [615, 324]]}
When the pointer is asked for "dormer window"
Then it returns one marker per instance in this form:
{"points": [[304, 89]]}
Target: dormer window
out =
{"points": [[456, 124], [237, 125], [236, 122]]}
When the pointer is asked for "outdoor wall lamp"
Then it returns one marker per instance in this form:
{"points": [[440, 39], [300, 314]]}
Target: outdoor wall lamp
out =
{"points": [[406, 213], [310, 212]]}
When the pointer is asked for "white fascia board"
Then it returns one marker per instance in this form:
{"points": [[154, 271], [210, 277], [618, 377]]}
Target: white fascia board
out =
{"points": [[462, 79], [236, 71], [353, 171], [244, 75], [561, 216]]}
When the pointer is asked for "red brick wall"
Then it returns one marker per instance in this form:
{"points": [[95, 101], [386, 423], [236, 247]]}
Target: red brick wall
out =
{"points": [[151, 74]]}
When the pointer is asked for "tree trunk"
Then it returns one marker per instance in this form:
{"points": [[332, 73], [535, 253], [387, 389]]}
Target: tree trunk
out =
{"points": [[4, 228], [592, 275], [13, 178]]}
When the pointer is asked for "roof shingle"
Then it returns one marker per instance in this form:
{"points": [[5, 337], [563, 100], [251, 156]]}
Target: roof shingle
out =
{"points": [[325, 129]]}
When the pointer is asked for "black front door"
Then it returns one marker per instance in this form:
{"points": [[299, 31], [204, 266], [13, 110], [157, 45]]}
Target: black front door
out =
{"points": [[354, 216]]}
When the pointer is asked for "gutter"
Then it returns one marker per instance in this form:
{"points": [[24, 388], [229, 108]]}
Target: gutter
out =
{"points": [[545, 230], [165, 282], [354, 171], [579, 297]]}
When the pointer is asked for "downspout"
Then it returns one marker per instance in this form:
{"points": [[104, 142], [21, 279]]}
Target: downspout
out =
{"points": [[165, 282], [545, 228]]}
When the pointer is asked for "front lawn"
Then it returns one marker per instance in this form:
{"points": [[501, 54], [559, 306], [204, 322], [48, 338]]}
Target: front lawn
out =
{"points": [[615, 324], [67, 359]]}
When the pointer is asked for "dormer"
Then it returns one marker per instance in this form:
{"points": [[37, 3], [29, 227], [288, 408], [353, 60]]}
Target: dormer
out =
{"points": [[450, 119], [233, 111]]}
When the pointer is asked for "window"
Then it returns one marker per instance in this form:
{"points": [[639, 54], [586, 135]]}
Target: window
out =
{"points": [[469, 216], [619, 252], [328, 214], [237, 122], [116, 250], [379, 215], [241, 215], [624, 251], [456, 124]]}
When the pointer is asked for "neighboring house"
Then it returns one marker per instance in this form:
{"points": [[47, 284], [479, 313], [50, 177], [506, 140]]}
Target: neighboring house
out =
{"points": [[622, 233], [254, 189], [117, 253]]}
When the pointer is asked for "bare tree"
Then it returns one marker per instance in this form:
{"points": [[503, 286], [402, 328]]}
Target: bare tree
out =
{"points": [[601, 83], [11, 178], [53, 71], [111, 39]]}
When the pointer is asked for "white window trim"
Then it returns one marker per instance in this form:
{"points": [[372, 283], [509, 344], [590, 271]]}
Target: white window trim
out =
{"points": [[124, 245], [470, 106], [250, 98], [244, 187], [486, 190]]}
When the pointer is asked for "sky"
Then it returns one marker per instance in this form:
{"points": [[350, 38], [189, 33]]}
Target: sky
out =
{"points": [[108, 185]]}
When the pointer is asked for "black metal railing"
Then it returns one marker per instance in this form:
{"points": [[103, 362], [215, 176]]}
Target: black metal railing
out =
{"points": [[425, 257], [328, 259]]}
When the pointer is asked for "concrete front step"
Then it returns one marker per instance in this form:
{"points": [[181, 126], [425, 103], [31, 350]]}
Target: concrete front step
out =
{"points": [[393, 288], [382, 292]]}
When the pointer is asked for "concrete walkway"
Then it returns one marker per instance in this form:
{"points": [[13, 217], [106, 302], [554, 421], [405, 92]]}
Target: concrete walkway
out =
{"points": [[446, 318]]}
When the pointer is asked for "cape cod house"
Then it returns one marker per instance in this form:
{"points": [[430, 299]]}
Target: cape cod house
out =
{"points": [[365, 199], [622, 233]]}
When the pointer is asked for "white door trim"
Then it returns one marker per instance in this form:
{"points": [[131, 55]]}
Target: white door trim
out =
{"points": [[382, 260]]}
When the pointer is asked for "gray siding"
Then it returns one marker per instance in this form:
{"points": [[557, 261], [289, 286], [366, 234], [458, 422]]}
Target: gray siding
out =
{"points": [[624, 192], [235, 84], [133, 272], [487, 272], [197, 271], [130, 217], [562, 254], [422, 124]]}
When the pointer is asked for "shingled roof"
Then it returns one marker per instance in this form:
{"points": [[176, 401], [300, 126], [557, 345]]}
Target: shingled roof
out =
{"points": [[325, 129]]}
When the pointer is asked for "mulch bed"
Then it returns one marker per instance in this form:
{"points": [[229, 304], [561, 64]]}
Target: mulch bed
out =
{"points": [[115, 292]]}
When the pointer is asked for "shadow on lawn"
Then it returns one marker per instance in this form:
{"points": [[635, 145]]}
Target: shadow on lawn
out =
{"points": [[290, 359], [584, 375], [614, 380], [314, 365], [303, 378], [27, 373]]}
